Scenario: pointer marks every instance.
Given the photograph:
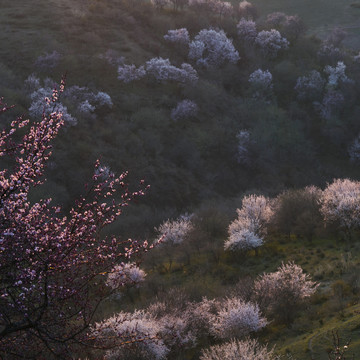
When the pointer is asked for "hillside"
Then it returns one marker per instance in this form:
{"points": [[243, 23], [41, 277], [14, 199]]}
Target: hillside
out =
{"points": [[251, 102]]}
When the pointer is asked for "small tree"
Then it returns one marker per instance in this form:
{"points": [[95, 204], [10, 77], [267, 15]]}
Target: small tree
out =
{"points": [[212, 48], [271, 42], [237, 318], [246, 30], [261, 84], [280, 293], [248, 230]]}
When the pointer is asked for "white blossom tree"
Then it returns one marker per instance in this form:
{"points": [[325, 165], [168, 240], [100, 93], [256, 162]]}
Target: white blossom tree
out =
{"points": [[248, 230], [261, 84], [129, 73], [310, 87], [178, 36], [162, 70], [37, 107], [122, 275], [271, 42], [336, 75], [281, 292], [175, 231], [212, 48], [248, 349], [246, 30], [129, 335], [341, 203], [184, 109], [237, 318]]}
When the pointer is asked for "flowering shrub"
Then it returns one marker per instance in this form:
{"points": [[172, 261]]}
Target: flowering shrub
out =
{"points": [[248, 349], [336, 74], [129, 73], [162, 70], [310, 87], [37, 107], [237, 318], [174, 232], [212, 48], [184, 109], [261, 83], [178, 36], [246, 30], [271, 42], [130, 335], [341, 202], [248, 230], [282, 291]]}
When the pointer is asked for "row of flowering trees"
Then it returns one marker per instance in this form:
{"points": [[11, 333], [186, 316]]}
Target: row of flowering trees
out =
{"points": [[339, 203], [163, 329]]}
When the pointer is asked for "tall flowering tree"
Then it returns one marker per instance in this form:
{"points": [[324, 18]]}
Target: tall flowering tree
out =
{"points": [[53, 266]]}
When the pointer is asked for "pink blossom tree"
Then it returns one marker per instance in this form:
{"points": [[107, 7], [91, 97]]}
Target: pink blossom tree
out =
{"points": [[52, 265]]}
